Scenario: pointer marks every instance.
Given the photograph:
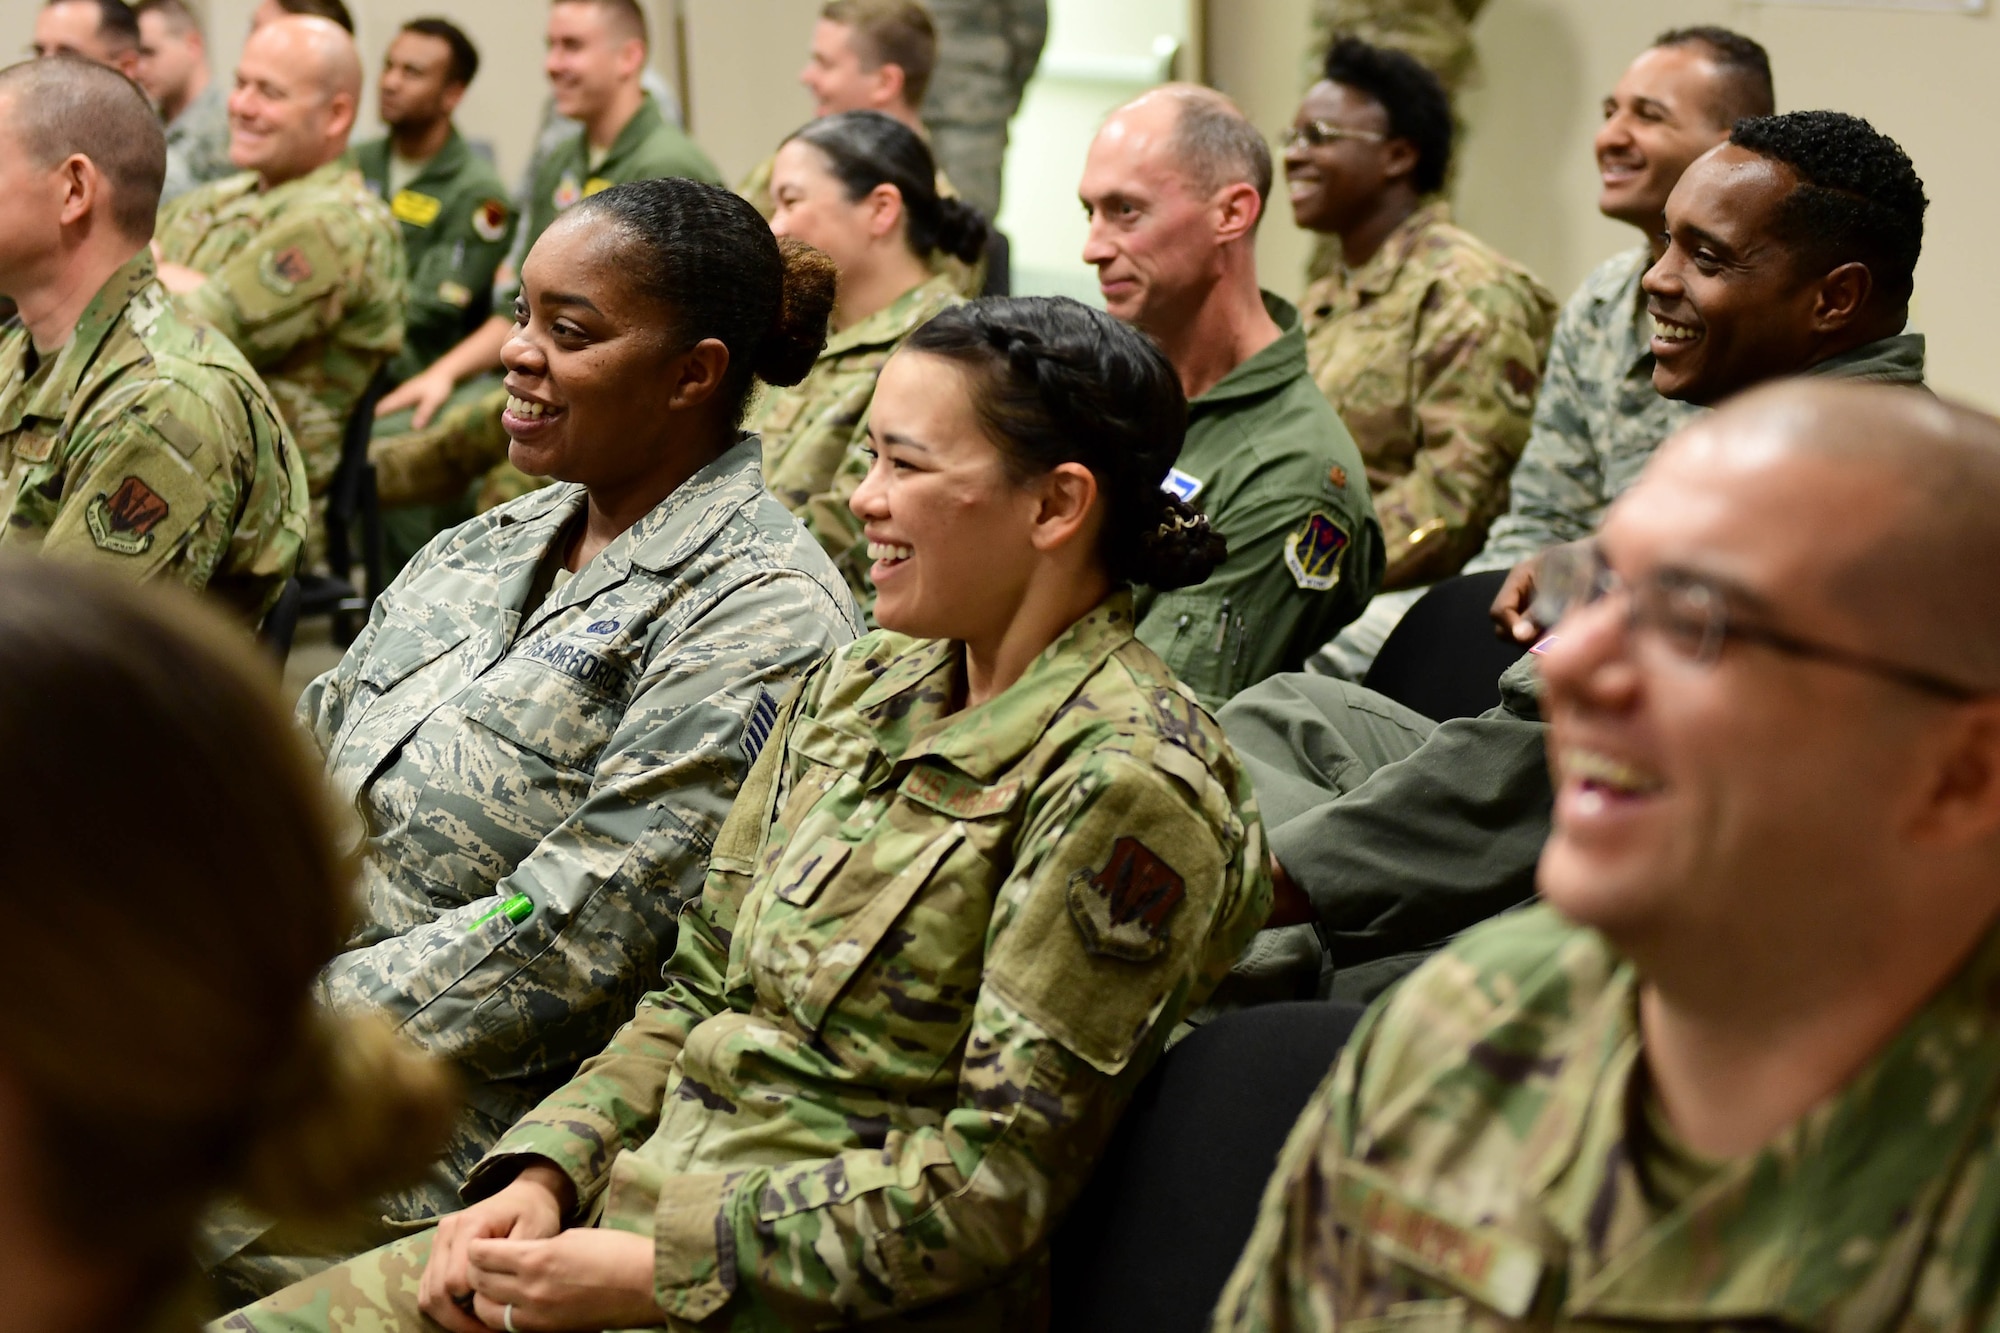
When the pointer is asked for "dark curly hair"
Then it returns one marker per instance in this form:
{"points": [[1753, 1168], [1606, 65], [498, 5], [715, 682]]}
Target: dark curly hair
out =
{"points": [[1742, 61], [1859, 197], [1055, 381], [1418, 106], [866, 149], [710, 261]]}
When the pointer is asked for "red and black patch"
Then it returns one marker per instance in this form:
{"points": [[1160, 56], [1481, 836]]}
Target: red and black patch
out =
{"points": [[292, 265], [135, 507], [1124, 909]]}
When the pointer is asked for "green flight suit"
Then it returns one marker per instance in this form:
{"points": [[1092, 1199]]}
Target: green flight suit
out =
{"points": [[464, 440], [1489, 1154], [147, 446], [456, 224], [1403, 841], [1281, 479]]}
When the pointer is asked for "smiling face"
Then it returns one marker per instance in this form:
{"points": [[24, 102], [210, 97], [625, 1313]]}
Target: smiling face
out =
{"points": [[591, 372], [811, 205], [283, 123], [588, 58], [1731, 307], [949, 532], [416, 86], [1660, 117], [1337, 185], [836, 76], [1709, 802], [1152, 234]]}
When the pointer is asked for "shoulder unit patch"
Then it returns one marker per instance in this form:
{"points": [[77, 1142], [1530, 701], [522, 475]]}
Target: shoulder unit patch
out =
{"points": [[1313, 552], [1123, 909], [123, 521]]}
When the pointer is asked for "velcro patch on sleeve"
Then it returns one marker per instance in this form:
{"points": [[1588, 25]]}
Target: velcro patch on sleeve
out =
{"points": [[489, 220], [123, 521], [1314, 551]]}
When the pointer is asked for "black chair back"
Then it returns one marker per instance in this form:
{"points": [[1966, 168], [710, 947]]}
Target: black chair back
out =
{"points": [[1444, 659], [281, 622]]}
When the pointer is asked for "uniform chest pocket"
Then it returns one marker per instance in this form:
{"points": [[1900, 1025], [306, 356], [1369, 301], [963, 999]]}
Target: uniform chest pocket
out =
{"points": [[558, 700]]}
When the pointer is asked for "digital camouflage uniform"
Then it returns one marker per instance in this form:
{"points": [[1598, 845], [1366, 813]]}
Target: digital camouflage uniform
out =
{"points": [[935, 954], [198, 144], [987, 51], [456, 224], [307, 279], [1488, 1154], [814, 432], [147, 446], [464, 441], [1403, 835], [1279, 477], [1431, 352], [581, 751], [1597, 420], [968, 280]]}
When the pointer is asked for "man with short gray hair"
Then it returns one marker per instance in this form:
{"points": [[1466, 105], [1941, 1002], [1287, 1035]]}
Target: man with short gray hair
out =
{"points": [[131, 437], [1174, 186]]}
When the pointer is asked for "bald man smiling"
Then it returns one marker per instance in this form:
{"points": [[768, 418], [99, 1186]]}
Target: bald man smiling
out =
{"points": [[294, 259]]}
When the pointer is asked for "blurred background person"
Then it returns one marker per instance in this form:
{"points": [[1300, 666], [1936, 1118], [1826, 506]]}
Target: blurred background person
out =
{"points": [[173, 69], [106, 31], [856, 186], [333, 11], [125, 1104]]}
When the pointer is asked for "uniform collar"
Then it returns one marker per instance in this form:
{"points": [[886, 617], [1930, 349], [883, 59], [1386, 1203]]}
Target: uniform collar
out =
{"points": [[905, 708], [1855, 1189], [328, 173], [1270, 368], [1379, 273], [55, 381], [373, 158], [895, 321], [1898, 359]]}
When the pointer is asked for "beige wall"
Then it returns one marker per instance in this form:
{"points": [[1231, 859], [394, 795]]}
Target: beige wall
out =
{"points": [[1527, 182]]}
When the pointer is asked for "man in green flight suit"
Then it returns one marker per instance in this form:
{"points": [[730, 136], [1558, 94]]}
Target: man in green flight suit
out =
{"points": [[1739, 1069], [131, 437], [1174, 186], [440, 431], [456, 220], [292, 259]]}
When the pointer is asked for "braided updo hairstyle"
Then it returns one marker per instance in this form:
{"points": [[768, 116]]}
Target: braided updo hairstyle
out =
{"points": [[709, 259], [1054, 381]]}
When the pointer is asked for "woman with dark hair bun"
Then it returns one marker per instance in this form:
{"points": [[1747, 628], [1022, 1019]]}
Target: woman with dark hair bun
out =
{"points": [[860, 187], [990, 857], [548, 715]]}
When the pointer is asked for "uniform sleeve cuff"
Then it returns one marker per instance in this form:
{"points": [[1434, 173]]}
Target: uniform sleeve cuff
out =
{"points": [[581, 1150], [694, 1243]]}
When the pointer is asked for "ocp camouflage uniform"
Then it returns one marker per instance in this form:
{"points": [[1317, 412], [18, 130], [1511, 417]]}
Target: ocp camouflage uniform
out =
{"points": [[464, 441], [505, 734], [456, 224], [1488, 1155], [968, 280], [147, 446], [307, 279], [814, 432], [198, 144], [935, 954], [987, 51], [1431, 352]]}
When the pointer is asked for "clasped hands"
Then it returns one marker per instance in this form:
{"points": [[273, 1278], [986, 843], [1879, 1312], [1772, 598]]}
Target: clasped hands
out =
{"points": [[507, 1262]]}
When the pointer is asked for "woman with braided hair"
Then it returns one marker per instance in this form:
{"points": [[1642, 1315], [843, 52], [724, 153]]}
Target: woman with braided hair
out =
{"points": [[990, 856]]}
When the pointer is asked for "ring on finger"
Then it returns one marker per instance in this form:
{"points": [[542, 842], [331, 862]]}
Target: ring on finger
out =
{"points": [[507, 1319]]}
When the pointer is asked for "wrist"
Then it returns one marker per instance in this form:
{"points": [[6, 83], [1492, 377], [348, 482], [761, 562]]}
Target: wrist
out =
{"points": [[551, 1178]]}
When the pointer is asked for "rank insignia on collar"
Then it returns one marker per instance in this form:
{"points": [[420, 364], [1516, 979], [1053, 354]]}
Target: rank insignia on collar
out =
{"points": [[1123, 909], [1313, 553], [567, 192], [123, 521], [489, 220]]}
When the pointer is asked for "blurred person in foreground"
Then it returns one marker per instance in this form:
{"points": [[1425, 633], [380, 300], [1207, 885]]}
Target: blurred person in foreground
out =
{"points": [[857, 187], [1741, 1066], [551, 709], [131, 436], [206, 1066], [990, 856], [174, 71]]}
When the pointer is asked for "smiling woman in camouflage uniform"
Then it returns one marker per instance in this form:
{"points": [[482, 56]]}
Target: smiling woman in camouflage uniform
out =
{"points": [[548, 715], [860, 187], [989, 858]]}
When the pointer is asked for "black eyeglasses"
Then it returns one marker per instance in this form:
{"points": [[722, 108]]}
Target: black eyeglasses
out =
{"points": [[1691, 615], [1320, 133]]}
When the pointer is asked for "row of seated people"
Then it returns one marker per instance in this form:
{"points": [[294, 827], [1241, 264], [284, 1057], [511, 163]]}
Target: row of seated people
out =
{"points": [[582, 785]]}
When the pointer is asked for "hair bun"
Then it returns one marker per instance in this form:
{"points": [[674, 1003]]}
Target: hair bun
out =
{"points": [[1179, 550], [799, 332], [962, 230]]}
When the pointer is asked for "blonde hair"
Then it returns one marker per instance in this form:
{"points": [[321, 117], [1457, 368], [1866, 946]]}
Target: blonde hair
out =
{"points": [[175, 884]]}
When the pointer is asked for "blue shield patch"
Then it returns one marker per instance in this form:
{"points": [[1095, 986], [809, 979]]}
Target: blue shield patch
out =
{"points": [[1313, 553]]}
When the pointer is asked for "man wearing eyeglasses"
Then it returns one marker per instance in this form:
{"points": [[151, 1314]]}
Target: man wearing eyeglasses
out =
{"points": [[1790, 250], [1741, 1067]]}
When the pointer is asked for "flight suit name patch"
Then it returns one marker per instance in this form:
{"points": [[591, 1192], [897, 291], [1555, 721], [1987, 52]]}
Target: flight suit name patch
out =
{"points": [[1313, 553], [1123, 909], [123, 521], [419, 210]]}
